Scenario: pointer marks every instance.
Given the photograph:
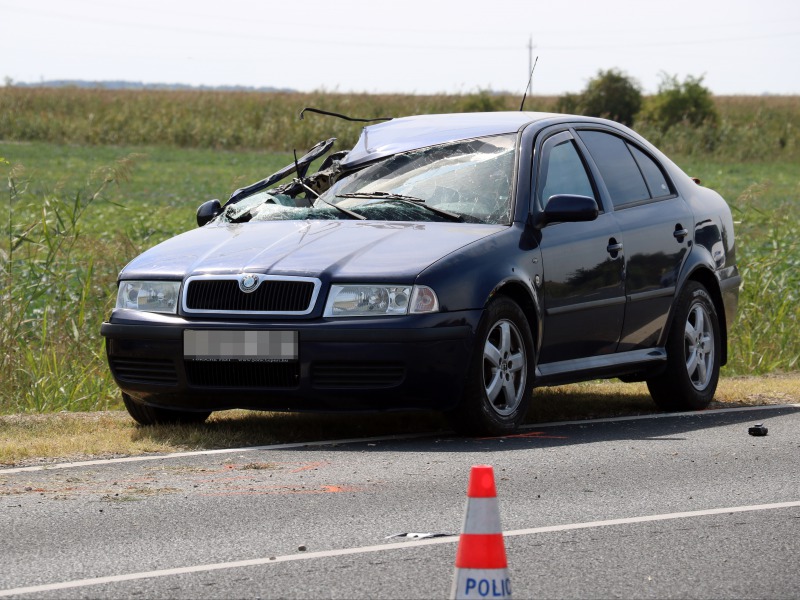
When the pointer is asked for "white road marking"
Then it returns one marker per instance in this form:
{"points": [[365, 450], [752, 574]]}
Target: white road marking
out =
{"points": [[386, 438], [51, 587]]}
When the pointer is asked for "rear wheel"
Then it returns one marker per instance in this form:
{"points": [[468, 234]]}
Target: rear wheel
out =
{"points": [[500, 378], [693, 354], [150, 415]]}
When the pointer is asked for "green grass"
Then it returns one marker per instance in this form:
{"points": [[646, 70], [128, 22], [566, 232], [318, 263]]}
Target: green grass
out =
{"points": [[165, 185], [74, 217], [75, 214]]}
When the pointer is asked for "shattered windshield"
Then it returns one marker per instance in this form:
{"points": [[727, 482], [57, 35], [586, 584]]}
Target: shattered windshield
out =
{"points": [[468, 181]]}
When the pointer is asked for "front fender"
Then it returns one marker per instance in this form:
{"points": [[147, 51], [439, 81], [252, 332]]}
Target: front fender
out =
{"points": [[508, 263], [468, 278]]}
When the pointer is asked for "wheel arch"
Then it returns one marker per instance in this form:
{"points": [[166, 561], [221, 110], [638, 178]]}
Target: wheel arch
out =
{"points": [[704, 275], [521, 294], [485, 409]]}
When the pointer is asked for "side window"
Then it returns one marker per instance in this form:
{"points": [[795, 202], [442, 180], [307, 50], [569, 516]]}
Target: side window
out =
{"points": [[653, 175], [562, 170], [617, 167]]}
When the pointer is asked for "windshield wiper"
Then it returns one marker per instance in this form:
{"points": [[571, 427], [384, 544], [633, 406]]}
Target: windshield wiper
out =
{"points": [[349, 213], [391, 197]]}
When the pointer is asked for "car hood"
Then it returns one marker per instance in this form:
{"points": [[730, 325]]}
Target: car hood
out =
{"points": [[332, 249]]}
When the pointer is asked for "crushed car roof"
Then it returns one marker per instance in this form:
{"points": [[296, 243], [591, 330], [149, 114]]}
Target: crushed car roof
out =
{"points": [[409, 133]]}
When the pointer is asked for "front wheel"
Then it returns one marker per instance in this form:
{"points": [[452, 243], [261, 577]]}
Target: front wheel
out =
{"points": [[693, 354], [151, 415], [500, 379]]}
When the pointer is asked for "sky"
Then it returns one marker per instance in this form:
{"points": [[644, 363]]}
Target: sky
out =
{"points": [[405, 46]]}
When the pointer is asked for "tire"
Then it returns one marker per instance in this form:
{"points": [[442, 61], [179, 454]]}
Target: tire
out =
{"points": [[693, 354], [151, 415], [500, 378]]}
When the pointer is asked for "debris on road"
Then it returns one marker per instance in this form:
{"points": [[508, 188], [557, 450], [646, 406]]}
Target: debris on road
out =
{"points": [[418, 536]]}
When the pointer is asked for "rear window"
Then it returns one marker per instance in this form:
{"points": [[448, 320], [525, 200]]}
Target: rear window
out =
{"points": [[653, 176], [619, 170]]}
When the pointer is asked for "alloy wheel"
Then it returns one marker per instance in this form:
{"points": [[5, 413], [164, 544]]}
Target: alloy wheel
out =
{"points": [[504, 367], [699, 346]]}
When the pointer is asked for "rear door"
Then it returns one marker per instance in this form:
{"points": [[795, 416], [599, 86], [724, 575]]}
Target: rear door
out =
{"points": [[655, 223]]}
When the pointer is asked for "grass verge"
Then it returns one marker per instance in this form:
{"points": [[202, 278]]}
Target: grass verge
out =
{"points": [[46, 438]]}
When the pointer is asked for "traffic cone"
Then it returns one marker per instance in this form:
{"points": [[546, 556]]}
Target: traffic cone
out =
{"points": [[481, 567]]}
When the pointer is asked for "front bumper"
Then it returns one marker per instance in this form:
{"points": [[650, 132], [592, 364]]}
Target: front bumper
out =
{"points": [[410, 362]]}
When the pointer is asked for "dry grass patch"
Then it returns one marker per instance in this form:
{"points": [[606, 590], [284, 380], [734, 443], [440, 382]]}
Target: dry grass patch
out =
{"points": [[41, 439], [45, 438], [30, 438], [612, 398], [771, 389]]}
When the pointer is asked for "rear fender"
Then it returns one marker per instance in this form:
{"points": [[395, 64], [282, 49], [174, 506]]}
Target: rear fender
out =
{"points": [[701, 266]]}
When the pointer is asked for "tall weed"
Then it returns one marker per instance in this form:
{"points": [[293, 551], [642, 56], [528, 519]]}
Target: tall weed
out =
{"points": [[221, 120], [749, 129], [764, 337], [55, 283]]}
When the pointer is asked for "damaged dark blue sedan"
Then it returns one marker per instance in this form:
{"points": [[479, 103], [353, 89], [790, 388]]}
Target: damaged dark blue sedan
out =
{"points": [[446, 262]]}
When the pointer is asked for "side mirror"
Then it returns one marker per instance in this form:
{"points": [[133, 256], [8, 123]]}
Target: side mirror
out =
{"points": [[568, 208], [207, 211]]}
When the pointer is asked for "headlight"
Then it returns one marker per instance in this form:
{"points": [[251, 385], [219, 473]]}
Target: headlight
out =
{"points": [[152, 296], [375, 300]]}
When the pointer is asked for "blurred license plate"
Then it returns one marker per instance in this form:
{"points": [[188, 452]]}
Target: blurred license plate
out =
{"points": [[254, 346]]}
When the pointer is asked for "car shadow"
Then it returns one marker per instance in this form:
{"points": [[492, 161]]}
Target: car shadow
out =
{"points": [[564, 419], [661, 427]]}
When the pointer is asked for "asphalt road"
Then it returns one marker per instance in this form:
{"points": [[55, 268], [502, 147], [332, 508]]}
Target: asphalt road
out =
{"points": [[677, 506]]}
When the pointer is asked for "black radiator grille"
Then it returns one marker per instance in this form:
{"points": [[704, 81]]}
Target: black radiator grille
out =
{"points": [[145, 370], [271, 296], [242, 374], [357, 375]]}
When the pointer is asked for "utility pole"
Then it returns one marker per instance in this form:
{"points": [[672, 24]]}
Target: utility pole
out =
{"points": [[530, 54], [531, 61]]}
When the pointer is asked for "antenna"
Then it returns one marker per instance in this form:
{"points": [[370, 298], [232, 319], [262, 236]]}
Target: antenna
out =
{"points": [[530, 79], [296, 165]]}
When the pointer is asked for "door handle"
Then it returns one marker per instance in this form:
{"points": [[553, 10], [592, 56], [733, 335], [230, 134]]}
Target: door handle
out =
{"points": [[613, 246], [680, 232]]}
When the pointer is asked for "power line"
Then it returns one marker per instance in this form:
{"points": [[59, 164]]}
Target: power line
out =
{"points": [[317, 41]]}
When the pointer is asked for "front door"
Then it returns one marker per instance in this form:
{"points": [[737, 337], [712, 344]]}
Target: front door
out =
{"points": [[583, 264]]}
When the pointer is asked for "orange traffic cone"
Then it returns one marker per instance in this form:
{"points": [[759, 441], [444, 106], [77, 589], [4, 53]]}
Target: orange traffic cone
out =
{"points": [[481, 567]]}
